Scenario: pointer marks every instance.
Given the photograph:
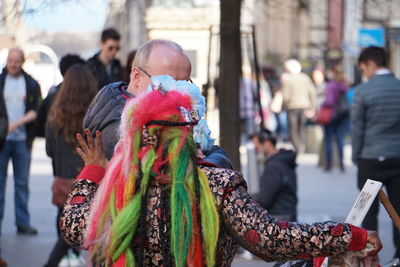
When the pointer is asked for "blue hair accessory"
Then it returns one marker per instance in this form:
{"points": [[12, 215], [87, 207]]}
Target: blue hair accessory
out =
{"points": [[201, 132]]}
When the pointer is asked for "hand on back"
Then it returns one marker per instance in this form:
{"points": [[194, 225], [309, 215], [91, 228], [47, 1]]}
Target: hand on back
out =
{"points": [[91, 149]]}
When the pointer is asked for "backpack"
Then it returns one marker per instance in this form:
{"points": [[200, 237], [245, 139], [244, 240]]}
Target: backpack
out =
{"points": [[343, 107]]}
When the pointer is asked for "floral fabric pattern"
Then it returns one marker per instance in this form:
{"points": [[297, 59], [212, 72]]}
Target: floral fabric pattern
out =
{"points": [[243, 221]]}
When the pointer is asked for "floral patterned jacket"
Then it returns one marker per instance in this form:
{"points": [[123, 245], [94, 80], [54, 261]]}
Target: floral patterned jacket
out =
{"points": [[243, 221]]}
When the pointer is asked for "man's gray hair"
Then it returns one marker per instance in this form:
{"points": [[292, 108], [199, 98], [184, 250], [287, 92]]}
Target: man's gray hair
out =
{"points": [[143, 52]]}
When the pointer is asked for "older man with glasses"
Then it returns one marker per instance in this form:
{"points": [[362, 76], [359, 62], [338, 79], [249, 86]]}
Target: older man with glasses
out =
{"points": [[104, 65], [153, 58]]}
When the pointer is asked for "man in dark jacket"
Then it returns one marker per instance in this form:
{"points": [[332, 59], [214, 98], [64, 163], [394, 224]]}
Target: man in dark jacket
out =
{"points": [[22, 96], [278, 183], [156, 57], [104, 66]]}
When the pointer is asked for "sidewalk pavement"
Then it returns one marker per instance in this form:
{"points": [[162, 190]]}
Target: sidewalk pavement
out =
{"points": [[323, 196]]}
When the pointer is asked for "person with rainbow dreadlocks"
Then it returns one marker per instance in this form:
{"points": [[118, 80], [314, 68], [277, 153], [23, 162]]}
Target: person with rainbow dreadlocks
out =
{"points": [[155, 205]]}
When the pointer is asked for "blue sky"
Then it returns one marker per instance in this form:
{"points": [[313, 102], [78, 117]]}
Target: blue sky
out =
{"points": [[69, 15]]}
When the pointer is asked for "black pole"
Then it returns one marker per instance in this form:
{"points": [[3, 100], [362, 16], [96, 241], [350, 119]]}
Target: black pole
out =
{"points": [[230, 68], [257, 70]]}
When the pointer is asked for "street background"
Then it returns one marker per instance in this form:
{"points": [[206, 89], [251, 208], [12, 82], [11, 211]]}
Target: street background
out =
{"points": [[323, 196], [246, 39]]}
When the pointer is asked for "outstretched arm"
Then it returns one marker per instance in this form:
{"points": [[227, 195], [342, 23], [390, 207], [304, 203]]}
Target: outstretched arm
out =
{"points": [[274, 240]]}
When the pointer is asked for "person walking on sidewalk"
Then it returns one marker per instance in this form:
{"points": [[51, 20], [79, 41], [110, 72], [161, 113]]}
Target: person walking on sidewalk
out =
{"points": [[335, 100], [65, 120], [3, 135], [66, 62], [299, 98], [375, 119], [22, 96]]}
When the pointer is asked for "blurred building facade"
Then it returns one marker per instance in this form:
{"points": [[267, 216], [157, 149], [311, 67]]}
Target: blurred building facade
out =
{"points": [[10, 22], [128, 17], [326, 32], [385, 14], [193, 28], [316, 32]]}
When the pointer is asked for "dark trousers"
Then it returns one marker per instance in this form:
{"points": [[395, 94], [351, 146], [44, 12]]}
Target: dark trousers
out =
{"points": [[282, 125], [297, 120], [61, 248], [388, 172], [335, 130]]}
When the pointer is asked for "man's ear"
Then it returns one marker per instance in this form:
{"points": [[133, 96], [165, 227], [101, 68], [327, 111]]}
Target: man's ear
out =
{"points": [[102, 44], [135, 74], [135, 77]]}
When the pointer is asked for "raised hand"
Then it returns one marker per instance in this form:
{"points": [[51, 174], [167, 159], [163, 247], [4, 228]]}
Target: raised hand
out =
{"points": [[91, 149]]}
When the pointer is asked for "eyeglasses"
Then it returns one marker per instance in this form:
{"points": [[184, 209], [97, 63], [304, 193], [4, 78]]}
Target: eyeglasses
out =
{"points": [[148, 75], [110, 48], [145, 72]]}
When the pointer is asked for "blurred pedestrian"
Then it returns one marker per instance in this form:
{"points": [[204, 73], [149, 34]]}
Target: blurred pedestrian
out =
{"points": [[104, 65], [3, 135], [375, 119], [276, 104], [299, 99], [336, 100], [350, 96], [154, 205], [65, 120], [65, 63], [128, 67], [278, 183], [154, 59], [22, 95], [247, 111], [318, 78]]}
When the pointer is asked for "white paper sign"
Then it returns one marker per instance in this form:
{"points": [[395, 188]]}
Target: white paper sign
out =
{"points": [[363, 202], [361, 206]]}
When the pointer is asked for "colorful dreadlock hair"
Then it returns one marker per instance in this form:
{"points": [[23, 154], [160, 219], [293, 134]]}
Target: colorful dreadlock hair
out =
{"points": [[156, 141]]}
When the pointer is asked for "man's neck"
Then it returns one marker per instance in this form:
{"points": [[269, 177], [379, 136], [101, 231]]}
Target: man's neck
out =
{"points": [[131, 89], [16, 76], [104, 60], [271, 152]]}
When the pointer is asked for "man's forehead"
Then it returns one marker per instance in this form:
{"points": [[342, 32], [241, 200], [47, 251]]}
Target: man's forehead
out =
{"points": [[15, 53], [166, 61], [166, 53]]}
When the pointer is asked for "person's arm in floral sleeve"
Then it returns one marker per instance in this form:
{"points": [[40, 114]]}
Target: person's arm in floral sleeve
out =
{"points": [[274, 240], [76, 210]]}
